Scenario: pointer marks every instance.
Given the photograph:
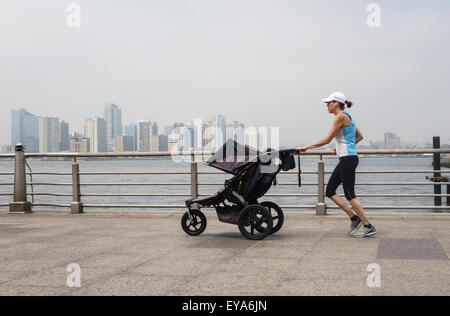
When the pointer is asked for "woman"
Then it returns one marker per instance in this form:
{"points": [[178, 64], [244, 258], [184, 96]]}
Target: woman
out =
{"points": [[346, 135]]}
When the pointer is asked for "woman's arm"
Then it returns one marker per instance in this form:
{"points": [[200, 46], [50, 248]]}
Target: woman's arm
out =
{"points": [[337, 126], [359, 136]]}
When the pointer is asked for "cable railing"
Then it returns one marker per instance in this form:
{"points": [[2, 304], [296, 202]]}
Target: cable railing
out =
{"points": [[81, 183]]}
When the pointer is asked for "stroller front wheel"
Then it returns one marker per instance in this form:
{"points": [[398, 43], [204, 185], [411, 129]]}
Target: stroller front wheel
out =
{"points": [[255, 222], [195, 224]]}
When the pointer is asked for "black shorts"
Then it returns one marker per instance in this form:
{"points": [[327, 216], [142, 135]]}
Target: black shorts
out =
{"points": [[344, 173]]}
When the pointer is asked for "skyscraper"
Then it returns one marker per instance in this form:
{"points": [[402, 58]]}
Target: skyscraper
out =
{"points": [[131, 130], [80, 145], [219, 131], [124, 143], [163, 143], [187, 138], [49, 133], [144, 135], [235, 131], [391, 141], [113, 117], [64, 139], [197, 134], [25, 130], [174, 142], [95, 130], [251, 137], [207, 135], [154, 137]]}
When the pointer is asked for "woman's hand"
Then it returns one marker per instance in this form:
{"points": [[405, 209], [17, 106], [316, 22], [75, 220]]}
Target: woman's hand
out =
{"points": [[301, 149]]}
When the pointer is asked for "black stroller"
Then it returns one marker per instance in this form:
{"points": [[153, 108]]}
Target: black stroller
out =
{"points": [[254, 173]]}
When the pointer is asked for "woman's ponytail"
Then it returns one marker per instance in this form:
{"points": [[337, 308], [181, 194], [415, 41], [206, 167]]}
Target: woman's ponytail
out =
{"points": [[348, 104]]}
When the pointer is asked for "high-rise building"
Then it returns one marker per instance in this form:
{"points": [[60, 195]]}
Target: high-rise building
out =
{"points": [[147, 136], [235, 131], [113, 117], [174, 142], [144, 135], [80, 145], [219, 131], [25, 130], [95, 130], [177, 125], [207, 135], [154, 129], [125, 143], [64, 138], [187, 138], [251, 137], [197, 134], [154, 137], [168, 130], [49, 133], [131, 130], [163, 143], [391, 141]]}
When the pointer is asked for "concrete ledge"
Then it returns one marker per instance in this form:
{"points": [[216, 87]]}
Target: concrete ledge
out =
{"points": [[20, 207]]}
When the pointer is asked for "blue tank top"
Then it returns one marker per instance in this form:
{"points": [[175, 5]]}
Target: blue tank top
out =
{"points": [[346, 140]]}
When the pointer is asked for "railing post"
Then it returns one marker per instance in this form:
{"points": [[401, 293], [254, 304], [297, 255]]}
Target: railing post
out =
{"points": [[194, 178], [437, 167], [448, 192], [20, 204], [76, 206], [321, 207]]}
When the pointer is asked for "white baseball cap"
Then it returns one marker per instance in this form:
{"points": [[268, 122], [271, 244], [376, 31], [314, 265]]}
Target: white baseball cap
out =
{"points": [[336, 96]]}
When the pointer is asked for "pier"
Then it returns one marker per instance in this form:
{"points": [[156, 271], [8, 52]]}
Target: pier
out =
{"points": [[148, 254]]}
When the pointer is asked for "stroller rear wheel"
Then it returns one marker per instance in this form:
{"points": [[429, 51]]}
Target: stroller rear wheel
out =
{"points": [[277, 215], [255, 222], [195, 224]]}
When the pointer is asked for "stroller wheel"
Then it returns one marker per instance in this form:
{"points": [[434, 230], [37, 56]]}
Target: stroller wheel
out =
{"points": [[255, 222], [194, 225], [277, 215]]}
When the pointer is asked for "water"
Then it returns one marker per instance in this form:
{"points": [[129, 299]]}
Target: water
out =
{"points": [[164, 165]]}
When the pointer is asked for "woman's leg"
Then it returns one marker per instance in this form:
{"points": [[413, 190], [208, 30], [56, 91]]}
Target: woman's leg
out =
{"points": [[357, 206], [348, 176], [333, 183]]}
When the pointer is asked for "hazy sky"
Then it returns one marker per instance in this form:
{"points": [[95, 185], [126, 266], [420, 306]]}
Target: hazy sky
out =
{"points": [[265, 63]]}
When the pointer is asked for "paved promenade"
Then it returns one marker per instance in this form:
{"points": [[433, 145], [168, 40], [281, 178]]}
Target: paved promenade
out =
{"points": [[149, 254]]}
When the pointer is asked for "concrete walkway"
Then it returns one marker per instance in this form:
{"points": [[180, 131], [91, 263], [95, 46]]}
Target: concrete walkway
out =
{"points": [[149, 254]]}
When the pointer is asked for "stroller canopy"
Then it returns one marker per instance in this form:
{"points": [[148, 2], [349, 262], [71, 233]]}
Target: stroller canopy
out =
{"points": [[233, 156]]}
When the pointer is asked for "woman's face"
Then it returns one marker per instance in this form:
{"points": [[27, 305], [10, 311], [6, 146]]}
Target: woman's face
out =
{"points": [[332, 106]]}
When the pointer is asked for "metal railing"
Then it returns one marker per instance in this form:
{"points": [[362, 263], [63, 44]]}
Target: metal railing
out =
{"points": [[22, 205]]}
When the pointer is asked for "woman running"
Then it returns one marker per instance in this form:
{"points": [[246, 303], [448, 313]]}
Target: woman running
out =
{"points": [[346, 135]]}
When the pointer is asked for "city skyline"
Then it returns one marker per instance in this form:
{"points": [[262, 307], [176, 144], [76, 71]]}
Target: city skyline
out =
{"points": [[144, 136]]}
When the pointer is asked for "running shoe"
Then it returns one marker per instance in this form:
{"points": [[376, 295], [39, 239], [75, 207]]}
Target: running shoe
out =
{"points": [[365, 232], [354, 226]]}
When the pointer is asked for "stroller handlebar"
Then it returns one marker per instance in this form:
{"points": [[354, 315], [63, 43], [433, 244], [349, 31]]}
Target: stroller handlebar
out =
{"points": [[290, 151]]}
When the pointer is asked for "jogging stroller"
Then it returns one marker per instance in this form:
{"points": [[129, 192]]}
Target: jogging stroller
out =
{"points": [[237, 202]]}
